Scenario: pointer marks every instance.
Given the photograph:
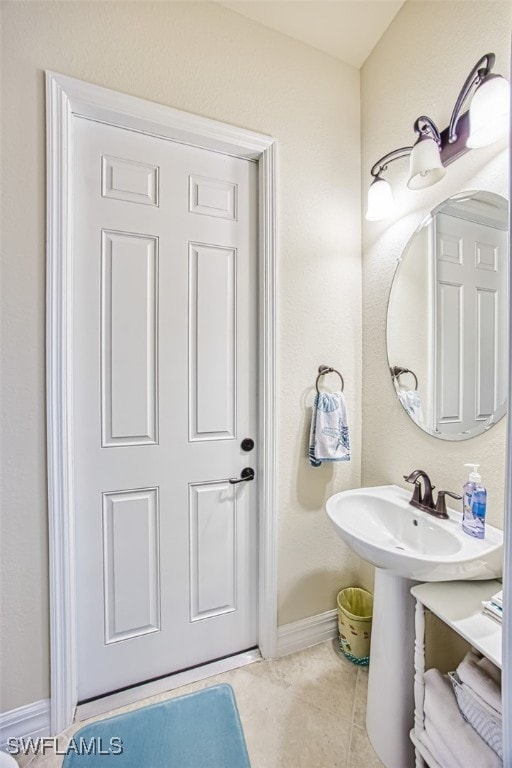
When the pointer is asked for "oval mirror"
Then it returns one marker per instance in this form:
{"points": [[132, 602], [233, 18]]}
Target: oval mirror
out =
{"points": [[447, 320]]}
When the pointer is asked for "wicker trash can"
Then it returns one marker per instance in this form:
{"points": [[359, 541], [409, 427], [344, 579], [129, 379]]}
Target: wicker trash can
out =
{"points": [[355, 611]]}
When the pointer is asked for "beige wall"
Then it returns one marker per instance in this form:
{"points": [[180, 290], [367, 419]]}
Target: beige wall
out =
{"points": [[418, 67], [205, 59]]}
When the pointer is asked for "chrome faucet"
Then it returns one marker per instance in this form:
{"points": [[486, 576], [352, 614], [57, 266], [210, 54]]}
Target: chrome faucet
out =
{"points": [[425, 500]]}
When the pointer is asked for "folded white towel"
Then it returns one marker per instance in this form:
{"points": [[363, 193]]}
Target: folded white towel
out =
{"points": [[412, 404], [433, 742], [329, 439], [451, 730], [474, 675]]}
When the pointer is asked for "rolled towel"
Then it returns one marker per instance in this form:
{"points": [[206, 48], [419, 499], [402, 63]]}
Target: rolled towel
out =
{"points": [[453, 732], [491, 670], [475, 676], [329, 438]]}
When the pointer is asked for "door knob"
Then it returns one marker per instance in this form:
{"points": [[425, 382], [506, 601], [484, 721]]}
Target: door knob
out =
{"points": [[246, 474]]}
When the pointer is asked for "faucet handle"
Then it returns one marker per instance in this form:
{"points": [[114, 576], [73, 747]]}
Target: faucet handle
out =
{"points": [[441, 502]]}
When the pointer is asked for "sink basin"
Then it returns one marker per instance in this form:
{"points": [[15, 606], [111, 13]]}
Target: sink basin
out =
{"points": [[382, 527]]}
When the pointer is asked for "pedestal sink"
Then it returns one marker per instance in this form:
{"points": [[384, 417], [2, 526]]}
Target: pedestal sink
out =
{"points": [[406, 545]]}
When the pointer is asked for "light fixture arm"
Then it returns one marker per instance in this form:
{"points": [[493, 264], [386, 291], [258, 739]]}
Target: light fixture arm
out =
{"points": [[382, 164], [424, 125], [475, 77]]}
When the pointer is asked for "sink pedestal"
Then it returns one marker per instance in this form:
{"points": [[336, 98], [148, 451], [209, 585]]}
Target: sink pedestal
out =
{"points": [[390, 704]]}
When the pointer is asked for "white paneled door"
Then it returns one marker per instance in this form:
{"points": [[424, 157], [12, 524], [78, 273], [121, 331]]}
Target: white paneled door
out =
{"points": [[165, 298]]}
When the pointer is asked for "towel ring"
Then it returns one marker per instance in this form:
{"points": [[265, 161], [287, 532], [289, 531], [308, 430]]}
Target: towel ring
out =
{"points": [[323, 369], [396, 372]]}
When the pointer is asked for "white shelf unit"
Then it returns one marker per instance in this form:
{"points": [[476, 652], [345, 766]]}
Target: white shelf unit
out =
{"points": [[459, 605]]}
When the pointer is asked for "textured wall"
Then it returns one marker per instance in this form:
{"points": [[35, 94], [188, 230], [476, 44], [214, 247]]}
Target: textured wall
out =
{"points": [[418, 67], [205, 59]]}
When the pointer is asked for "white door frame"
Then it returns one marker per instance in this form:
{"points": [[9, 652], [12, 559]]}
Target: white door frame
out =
{"points": [[67, 98]]}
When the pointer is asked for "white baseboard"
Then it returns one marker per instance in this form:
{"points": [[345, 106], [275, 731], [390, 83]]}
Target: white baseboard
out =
{"points": [[306, 632], [30, 720], [34, 719]]}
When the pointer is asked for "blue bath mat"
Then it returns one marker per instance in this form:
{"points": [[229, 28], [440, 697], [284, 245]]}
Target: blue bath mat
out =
{"points": [[200, 730]]}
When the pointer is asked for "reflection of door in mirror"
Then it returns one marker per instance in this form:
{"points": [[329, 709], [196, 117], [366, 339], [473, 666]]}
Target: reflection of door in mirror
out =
{"points": [[469, 322], [447, 318]]}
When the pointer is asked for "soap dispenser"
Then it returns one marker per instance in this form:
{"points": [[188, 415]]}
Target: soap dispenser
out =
{"points": [[474, 504]]}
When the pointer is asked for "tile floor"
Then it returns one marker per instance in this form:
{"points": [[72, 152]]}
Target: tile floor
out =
{"points": [[305, 710]]}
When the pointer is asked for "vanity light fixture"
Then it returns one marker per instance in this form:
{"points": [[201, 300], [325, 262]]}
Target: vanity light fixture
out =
{"points": [[485, 122]]}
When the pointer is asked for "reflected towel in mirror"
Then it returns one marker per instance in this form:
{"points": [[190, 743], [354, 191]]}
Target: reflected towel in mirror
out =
{"points": [[412, 404]]}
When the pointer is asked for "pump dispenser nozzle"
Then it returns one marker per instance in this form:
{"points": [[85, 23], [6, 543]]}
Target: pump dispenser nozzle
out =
{"points": [[474, 476]]}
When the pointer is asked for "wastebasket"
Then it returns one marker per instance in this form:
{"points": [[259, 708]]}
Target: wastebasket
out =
{"points": [[355, 611]]}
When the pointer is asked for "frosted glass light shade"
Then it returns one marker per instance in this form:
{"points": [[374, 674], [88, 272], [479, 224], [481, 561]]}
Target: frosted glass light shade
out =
{"points": [[380, 201], [425, 167], [489, 112]]}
